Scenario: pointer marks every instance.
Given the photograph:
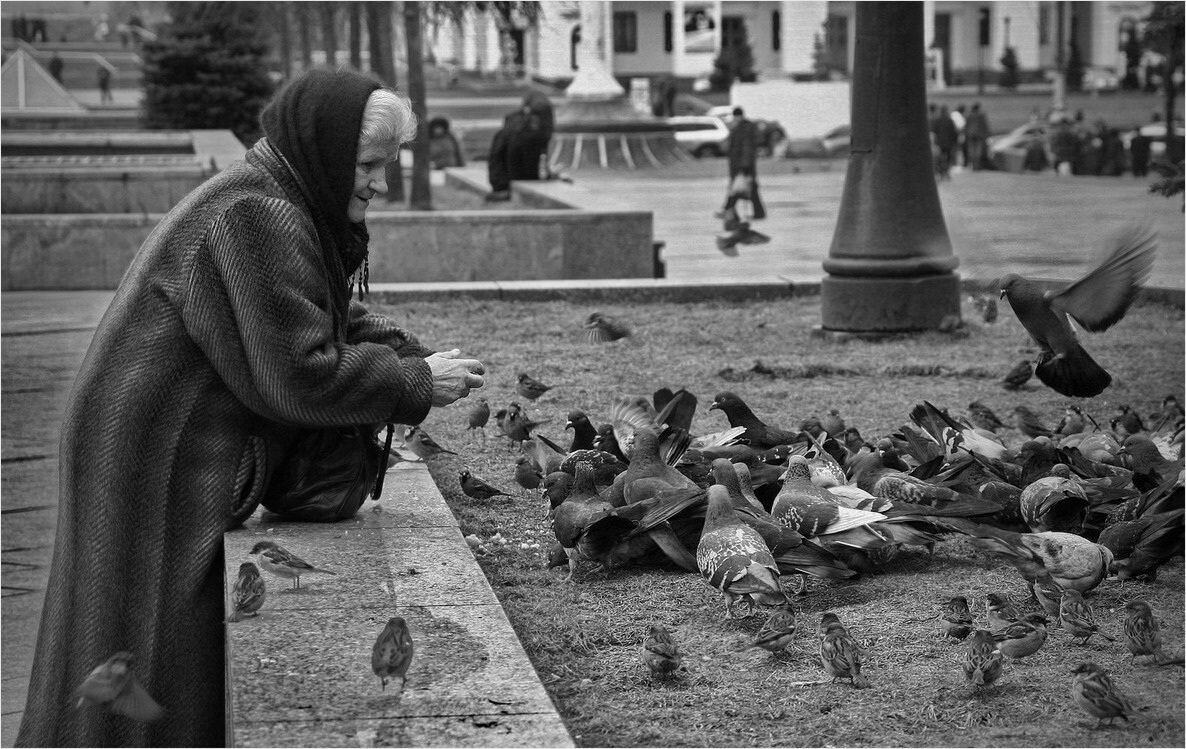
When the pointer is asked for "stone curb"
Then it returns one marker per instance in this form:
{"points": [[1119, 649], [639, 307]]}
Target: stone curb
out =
{"points": [[299, 673]]}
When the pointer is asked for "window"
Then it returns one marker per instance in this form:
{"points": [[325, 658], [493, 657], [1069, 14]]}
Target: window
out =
{"points": [[776, 30], [626, 32], [668, 34]]}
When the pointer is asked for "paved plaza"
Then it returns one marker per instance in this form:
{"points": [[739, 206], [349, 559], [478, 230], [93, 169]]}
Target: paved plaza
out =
{"points": [[1037, 225]]}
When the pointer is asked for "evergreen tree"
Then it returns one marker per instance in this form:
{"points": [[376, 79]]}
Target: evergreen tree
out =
{"points": [[733, 63], [206, 69]]}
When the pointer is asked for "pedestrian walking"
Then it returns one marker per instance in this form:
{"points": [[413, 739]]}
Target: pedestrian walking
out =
{"points": [[976, 134], [946, 140], [742, 150], [104, 76]]}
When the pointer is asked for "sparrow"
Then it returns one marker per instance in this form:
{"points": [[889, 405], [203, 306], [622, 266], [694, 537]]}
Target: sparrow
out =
{"points": [[603, 328], [479, 416], [1020, 374], [476, 487], [778, 631], [660, 652], [1078, 618], [423, 445], [983, 417], [833, 423], [516, 425], [114, 685], [983, 660], [986, 304], [392, 653], [1095, 693], [1049, 595], [1127, 421], [839, 652], [1028, 423], [527, 474], [1097, 301], [1142, 634], [281, 562], [247, 596], [529, 387], [1000, 611], [1022, 638], [1072, 422], [956, 619]]}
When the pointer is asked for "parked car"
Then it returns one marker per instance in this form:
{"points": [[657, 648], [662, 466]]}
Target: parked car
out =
{"points": [[833, 143], [1100, 79], [1007, 152], [702, 135], [1155, 131]]}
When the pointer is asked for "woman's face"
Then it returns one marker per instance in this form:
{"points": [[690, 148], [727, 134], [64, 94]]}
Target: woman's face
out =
{"points": [[369, 180]]}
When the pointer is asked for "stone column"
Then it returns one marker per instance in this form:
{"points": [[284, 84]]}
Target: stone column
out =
{"points": [[890, 266], [593, 81]]}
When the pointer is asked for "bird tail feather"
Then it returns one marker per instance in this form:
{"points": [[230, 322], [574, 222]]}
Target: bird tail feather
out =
{"points": [[1075, 375]]}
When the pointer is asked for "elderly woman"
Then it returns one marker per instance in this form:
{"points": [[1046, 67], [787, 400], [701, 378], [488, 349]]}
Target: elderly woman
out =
{"points": [[232, 331]]}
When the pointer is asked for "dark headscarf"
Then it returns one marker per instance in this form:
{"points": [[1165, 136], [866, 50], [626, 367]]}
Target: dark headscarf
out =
{"points": [[314, 123]]}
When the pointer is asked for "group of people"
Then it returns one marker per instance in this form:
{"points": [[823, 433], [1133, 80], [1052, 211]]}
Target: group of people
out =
{"points": [[1074, 147], [959, 137]]}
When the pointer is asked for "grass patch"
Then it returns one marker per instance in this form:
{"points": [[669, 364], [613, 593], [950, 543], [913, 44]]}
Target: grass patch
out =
{"points": [[584, 638]]}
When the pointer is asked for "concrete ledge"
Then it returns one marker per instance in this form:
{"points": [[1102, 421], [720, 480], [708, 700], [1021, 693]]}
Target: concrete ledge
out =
{"points": [[299, 673]]}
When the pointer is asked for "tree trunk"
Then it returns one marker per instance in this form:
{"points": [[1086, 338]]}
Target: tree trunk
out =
{"points": [[379, 28], [356, 36], [284, 21], [421, 190], [329, 33], [302, 13]]}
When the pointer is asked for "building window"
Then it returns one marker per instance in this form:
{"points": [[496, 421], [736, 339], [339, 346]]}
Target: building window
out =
{"points": [[1043, 25], [626, 32], [574, 40], [668, 33], [776, 30]]}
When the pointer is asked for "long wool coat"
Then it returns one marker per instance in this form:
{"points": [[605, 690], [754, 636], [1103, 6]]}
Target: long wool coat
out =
{"points": [[229, 332]]}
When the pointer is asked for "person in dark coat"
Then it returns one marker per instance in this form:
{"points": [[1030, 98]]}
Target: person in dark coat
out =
{"points": [[55, 67], [232, 332], [976, 134], [946, 139], [1139, 149], [742, 150], [443, 148]]}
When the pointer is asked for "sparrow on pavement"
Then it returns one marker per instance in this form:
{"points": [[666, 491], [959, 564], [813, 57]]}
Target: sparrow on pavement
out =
{"points": [[1097, 301], [529, 387], [527, 474], [114, 685], [247, 596], [1078, 618], [1022, 638], [956, 619], [778, 631], [281, 562], [1020, 374], [603, 328], [839, 652], [423, 445], [1000, 611], [1142, 634], [479, 416], [392, 653]]}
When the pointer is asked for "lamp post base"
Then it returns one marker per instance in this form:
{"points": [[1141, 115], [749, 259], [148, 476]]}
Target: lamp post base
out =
{"points": [[888, 304]]}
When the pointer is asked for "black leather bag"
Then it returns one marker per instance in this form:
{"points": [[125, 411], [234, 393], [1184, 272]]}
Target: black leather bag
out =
{"points": [[326, 474]]}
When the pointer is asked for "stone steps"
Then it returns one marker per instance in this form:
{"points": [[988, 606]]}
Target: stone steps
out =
{"points": [[299, 673]]}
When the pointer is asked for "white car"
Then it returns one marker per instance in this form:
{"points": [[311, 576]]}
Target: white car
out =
{"points": [[703, 136]]}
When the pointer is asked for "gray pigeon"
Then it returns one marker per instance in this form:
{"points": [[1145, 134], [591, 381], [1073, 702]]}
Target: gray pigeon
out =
{"points": [[1097, 302]]}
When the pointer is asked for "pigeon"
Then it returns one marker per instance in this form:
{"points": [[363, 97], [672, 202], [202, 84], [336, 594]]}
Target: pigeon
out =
{"points": [[1020, 374], [660, 652], [1054, 503], [733, 558], [1097, 301], [759, 434], [1143, 545], [114, 685], [248, 594], [423, 445], [983, 660], [1142, 634], [956, 621], [476, 487], [583, 431], [529, 387], [1078, 618], [1022, 638], [281, 562], [602, 328], [1073, 562], [392, 653], [645, 463], [1096, 694], [778, 632], [479, 416], [572, 517], [838, 651]]}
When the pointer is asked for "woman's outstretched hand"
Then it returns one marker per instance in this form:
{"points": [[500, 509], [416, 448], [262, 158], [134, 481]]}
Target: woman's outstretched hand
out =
{"points": [[453, 378]]}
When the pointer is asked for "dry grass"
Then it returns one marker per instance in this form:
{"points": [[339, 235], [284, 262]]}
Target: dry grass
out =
{"points": [[584, 638]]}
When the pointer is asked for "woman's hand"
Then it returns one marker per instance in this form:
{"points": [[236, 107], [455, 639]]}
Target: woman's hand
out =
{"points": [[453, 378]]}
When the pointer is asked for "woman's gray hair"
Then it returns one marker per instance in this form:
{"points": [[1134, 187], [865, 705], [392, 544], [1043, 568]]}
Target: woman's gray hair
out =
{"points": [[387, 120]]}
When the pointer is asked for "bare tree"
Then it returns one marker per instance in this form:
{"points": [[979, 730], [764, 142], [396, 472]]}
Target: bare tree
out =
{"points": [[1163, 32], [380, 34], [305, 32], [421, 198], [329, 32], [355, 35]]}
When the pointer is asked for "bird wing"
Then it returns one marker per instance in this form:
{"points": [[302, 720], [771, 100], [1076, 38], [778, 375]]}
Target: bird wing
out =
{"points": [[629, 414], [136, 703], [1099, 299]]}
